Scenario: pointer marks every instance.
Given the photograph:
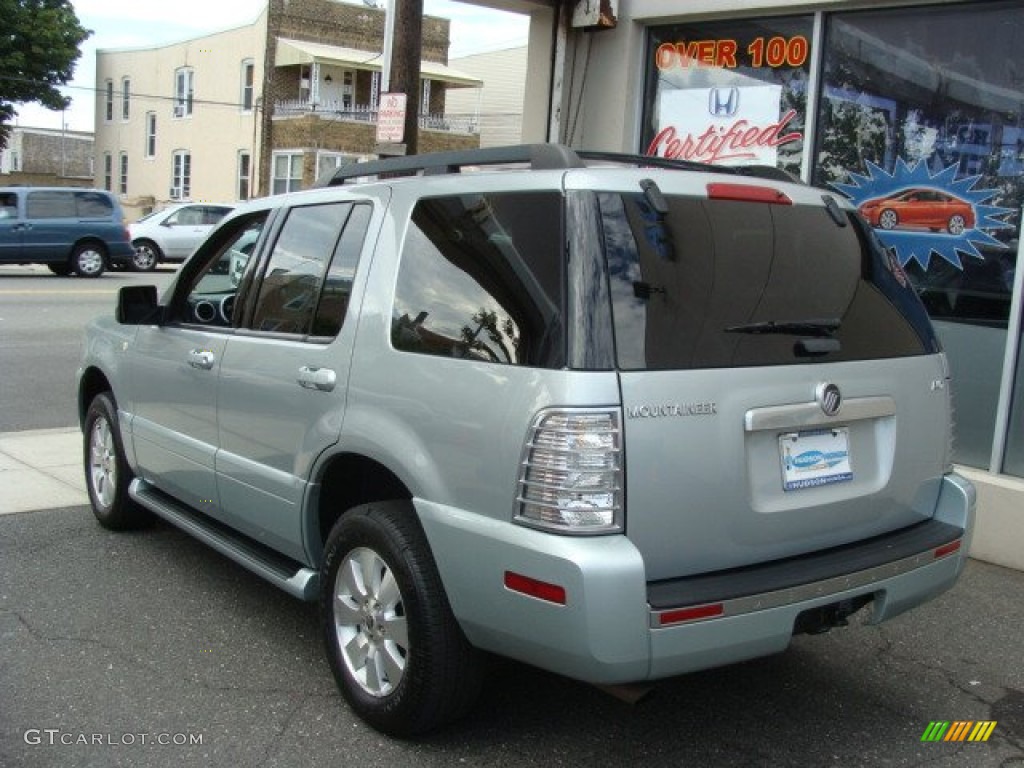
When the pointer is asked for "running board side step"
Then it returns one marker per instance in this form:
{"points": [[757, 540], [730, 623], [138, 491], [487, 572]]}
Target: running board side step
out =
{"points": [[294, 578]]}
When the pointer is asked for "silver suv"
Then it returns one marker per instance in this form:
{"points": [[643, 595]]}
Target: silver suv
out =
{"points": [[615, 417]]}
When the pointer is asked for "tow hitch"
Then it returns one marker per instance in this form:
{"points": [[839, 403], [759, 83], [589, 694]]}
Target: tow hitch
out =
{"points": [[817, 621]]}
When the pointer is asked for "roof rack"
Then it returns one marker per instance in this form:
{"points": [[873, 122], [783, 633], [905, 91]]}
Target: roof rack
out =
{"points": [[538, 156]]}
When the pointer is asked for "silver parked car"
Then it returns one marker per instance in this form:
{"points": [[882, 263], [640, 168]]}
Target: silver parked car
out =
{"points": [[172, 233], [612, 416]]}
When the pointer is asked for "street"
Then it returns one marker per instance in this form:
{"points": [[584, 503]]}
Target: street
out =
{"points": [[41, 322], [150, 649], [109, 642]]}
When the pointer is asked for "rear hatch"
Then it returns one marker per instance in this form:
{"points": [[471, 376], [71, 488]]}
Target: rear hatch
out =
{"points": [[782, 388]]}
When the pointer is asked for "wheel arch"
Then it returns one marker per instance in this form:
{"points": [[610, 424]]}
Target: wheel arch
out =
{"points": [[92, 382], [348, 480]]}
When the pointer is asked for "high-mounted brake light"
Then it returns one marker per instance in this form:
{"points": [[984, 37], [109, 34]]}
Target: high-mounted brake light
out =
{"points": [[747, 193]]}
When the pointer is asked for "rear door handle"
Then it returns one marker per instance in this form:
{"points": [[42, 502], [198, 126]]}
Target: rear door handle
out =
{"points": [[322, 379], [202, 359]]}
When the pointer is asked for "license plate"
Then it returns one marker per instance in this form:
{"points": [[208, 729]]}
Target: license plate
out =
{"points": [[814, 458]]}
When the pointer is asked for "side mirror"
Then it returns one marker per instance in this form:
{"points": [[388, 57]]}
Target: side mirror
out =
{"points": [[137, 305]]}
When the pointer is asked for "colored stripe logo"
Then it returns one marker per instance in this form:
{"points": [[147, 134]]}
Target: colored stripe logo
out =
{"points": [[958, 730]]}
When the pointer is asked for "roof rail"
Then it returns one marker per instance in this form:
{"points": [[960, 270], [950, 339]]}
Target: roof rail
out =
{"points": [[768, 172], [539, 156]]}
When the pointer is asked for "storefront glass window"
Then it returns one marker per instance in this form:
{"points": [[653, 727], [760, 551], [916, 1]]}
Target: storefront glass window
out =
{"points": [[1014, 461], [729, 93], [921, 126]]}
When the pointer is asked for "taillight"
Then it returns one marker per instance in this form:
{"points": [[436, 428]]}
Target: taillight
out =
{"points": [[570, 480]]}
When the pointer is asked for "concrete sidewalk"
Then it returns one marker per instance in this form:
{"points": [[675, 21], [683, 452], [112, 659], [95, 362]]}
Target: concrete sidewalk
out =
{"points": [[41, 469]]}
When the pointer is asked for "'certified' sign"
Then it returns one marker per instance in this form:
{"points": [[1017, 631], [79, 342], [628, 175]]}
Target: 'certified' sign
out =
{"points": [[391, 118]]}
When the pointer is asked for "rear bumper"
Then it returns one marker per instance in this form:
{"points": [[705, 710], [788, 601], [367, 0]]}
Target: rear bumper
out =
{"points": [[611, 628], [120, 253]]}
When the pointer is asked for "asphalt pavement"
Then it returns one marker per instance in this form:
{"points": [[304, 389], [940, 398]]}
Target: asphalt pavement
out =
{"points": [[150, 649]]}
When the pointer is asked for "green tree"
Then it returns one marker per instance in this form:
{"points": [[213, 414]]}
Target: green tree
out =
{"points": [[39, 45]]}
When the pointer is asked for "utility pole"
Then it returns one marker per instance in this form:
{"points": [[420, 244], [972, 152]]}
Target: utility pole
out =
{"points": [[405, 64]]}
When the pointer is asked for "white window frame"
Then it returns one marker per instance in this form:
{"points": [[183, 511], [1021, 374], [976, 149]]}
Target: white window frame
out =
{"points": [[181, 174], [425, 97], [150, 147], [290, 183], [248, 76], [244, 175], [122, 176], [108, 171], [108, 94], [184, 91], [126, 98]]}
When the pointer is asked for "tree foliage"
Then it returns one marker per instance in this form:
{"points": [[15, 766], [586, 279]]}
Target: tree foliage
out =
{"points": [[39, 45]]}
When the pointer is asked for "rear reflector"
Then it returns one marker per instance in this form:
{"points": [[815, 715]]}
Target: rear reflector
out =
{"points": [[542, 590], [947, 549], [691, 614], [747, 193]]}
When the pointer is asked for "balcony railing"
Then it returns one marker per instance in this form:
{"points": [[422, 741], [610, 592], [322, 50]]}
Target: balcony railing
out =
{"points": [[336, 110]]}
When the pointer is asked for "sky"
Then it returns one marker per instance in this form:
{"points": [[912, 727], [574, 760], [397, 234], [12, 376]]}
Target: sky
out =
{"points": [[141, 23]]}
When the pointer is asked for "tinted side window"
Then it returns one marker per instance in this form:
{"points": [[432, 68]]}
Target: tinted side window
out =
{"points": [[697, 288], [209, 297], [51, 204], [290, 291], [333, 305], [481, 277], [8, 205], [93, 205], [213, 213]]}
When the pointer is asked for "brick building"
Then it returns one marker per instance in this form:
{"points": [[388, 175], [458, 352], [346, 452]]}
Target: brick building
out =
{"points": [[261, 108]]}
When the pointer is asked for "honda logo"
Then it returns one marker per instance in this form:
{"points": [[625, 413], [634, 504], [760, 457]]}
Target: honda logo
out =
{"points": [[723, 102]]}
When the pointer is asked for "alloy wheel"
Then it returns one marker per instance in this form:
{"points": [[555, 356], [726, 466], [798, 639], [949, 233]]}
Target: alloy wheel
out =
{"points": [[370, 623], [103, 463]]}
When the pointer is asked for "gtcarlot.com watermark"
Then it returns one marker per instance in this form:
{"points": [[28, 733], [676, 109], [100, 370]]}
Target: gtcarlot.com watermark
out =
{"points": [[54, 737]]}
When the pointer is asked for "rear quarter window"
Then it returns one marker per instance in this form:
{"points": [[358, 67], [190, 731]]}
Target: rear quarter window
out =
{"points": [[695, 288], [481, 278]]}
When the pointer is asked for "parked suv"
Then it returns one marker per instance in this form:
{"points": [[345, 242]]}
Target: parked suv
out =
{"points": [[172, 233], [612, 416], [68, 230]]}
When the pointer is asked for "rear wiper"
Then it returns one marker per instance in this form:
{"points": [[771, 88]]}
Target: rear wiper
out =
{"points": [[823, 327]]}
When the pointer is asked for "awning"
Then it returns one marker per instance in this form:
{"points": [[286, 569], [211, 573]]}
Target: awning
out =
{"points": [[291, 52]]}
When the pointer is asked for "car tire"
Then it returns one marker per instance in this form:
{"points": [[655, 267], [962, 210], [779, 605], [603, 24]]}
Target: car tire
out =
{"points": [[398, 655], [89, 260], [146, 256], [60, 270], [888, 219], [107, 474], [957, 224]]}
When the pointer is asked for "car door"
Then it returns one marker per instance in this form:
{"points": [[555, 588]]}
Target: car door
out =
{"points": [[185, 229], [173, 374], [11, 226], [50, 225], [282, 386]]}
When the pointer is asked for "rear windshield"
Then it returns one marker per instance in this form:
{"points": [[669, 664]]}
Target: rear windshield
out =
{"points": [[719, 284]]}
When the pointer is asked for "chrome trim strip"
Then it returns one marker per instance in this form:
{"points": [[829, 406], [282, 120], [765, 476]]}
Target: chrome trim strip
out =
{"points": [[798, 594], [810, 414]]}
